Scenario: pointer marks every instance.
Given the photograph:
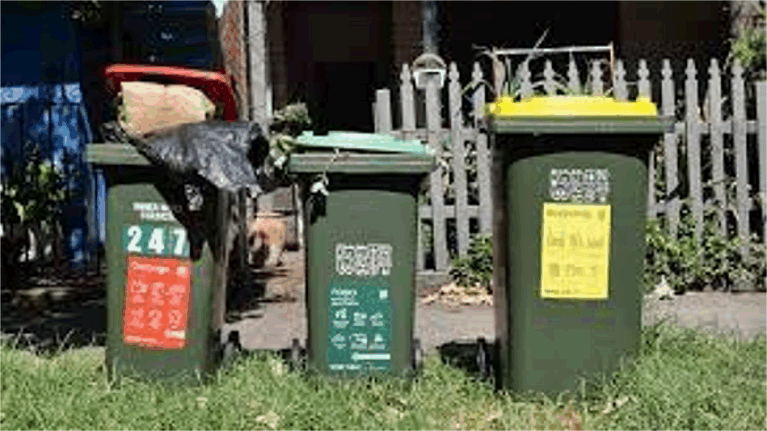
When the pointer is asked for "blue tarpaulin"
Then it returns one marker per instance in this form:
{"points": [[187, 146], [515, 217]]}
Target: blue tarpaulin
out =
{"points": [[42, 103]]}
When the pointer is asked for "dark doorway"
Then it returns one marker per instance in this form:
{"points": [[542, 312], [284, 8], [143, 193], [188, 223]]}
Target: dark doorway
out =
{"points": [[338, 53], [344, 95], [519, 24]]}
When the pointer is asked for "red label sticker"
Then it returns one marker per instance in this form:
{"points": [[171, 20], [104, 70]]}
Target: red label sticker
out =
{"points": [[157, 302]]}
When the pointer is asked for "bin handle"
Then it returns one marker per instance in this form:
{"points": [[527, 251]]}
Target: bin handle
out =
{"points": [[321, 184]]}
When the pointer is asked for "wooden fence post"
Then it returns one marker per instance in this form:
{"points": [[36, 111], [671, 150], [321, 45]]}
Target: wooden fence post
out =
{"points": [[597, 86], [643, 91], [717, 142], [407, 108], [761, 115], [741, 163], [433, 127], [670, 161], [652, 213], [407, 102], [548, 79], [499, 76], [619, 83], [693, 147], [573, 81], [459, 167], [526, 86], [644, 81], [483, 155], [376, 123], [383, 106]]}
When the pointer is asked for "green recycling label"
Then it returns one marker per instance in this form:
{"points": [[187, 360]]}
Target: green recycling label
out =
{"points": [[359, 312]]}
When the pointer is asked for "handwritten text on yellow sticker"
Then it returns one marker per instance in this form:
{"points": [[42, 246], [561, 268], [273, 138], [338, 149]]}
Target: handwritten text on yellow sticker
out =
{"points": [[575, 251]]}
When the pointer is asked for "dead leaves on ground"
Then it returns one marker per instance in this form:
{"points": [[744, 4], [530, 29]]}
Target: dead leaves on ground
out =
{"points": [[452, 294]]}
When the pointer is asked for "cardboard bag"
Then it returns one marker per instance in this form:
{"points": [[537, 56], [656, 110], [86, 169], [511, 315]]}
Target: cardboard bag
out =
{"points": [[149, 106]]}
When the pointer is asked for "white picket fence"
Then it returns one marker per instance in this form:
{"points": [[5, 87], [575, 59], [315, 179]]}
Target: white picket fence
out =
{"points": [[717, 128]]}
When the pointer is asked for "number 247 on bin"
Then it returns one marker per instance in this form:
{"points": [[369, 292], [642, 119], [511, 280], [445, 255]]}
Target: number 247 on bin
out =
{"points": [[155, 240]]}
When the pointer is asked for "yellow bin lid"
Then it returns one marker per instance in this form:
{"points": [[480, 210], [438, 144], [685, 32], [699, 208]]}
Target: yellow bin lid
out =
{"points": [[566, 106]]}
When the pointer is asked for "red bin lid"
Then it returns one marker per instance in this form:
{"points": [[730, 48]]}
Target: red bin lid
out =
{"points": [[215, 85]]}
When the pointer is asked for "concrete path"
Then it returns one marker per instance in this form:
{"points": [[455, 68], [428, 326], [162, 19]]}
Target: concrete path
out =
{"points": [[81, 320], [740, 314], [273, 325], [276, 324]]}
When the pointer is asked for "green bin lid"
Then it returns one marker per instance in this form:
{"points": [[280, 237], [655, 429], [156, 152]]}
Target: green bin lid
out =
{"points": [[367, 142], [357, 163], [115, 154]]}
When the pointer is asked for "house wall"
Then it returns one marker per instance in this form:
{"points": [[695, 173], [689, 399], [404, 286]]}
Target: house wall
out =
{"points": [[406, 34], [275, 39], [655, 30]]}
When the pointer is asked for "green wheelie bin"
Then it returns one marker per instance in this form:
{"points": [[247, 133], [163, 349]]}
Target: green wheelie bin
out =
{"points": [[166, 269], [569, 179], [361, 244]]}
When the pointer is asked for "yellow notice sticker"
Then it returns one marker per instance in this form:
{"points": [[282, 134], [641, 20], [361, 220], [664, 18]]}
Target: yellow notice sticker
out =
{"points": [[575, 251]]}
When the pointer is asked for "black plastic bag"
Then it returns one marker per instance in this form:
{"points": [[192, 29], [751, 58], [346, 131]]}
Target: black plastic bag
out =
{"points": [[228, 154], [231, 155]]}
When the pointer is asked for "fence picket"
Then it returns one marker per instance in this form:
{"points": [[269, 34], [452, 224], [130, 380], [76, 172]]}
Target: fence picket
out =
{"points": [[741, 163], [526, 86], [376, 123], [548, 75], [483, 156], [693, 147], [644, 81], [573, 81], [433, 124], [597, 87], [407, 109], [761, 115], [383, 105], [499, 76], [644, 91], [459, 166], [619, 84], [407, 101], [670, 161], [717, 142], [651, 208]]}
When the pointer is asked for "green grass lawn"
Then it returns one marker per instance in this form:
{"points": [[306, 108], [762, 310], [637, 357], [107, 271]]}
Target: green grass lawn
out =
{"points": [[683, 379]]}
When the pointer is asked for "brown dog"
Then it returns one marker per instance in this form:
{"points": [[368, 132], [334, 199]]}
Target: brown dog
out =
{"points": [[266, 239]]}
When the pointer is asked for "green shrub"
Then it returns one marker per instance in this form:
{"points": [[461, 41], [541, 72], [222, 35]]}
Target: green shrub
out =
{"points": [[34, 192], [477, 267], [750, 47], [717, 261], [286, 125]]}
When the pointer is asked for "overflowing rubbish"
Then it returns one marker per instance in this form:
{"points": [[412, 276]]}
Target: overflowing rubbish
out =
{"points": [[231, 155]]}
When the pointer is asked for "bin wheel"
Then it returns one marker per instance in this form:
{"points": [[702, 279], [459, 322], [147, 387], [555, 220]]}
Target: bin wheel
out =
{"points": [[232, 347], [295, 353], [416, 355], [482, 356]]}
